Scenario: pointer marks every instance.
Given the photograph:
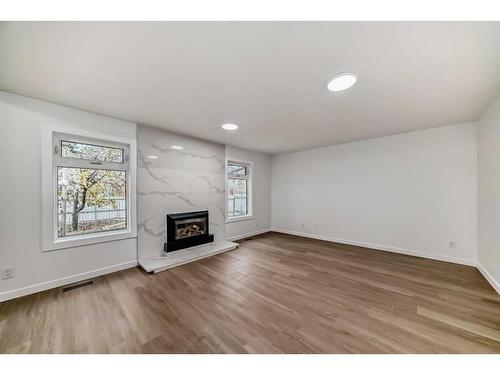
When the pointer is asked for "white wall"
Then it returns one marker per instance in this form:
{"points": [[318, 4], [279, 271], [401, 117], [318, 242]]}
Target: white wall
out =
{"points": [[20, 201], [261, 195], [489, 193], [411, 193], [185, 180]]}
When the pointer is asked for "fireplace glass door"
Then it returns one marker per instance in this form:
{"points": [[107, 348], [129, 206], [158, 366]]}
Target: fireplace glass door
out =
{"points": [[190, 227]]}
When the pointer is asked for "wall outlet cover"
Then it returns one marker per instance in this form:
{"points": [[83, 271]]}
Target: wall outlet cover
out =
{"points": [[7, 273]]}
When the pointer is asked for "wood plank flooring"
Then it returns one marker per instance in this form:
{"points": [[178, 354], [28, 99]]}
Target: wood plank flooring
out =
{"points": [[275, 294]]}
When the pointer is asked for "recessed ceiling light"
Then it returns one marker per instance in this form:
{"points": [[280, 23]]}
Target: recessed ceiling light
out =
{"points": [[342, 82], [152, 157], [229, 126], [177, 147]]}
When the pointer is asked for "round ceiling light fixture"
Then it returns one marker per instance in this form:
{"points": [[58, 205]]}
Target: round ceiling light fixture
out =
{"points": [[342, 81], [229, 126], [177, 148]]}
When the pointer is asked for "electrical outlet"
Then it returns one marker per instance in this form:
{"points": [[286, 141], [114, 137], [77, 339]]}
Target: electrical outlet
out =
{"points": [[453, 244], [7, 273]]}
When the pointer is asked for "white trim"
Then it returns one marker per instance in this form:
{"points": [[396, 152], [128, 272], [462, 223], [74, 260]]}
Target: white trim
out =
{"points": [[16, 293], [495, 284], [49, 223], [464, 261], [239, 218], [78, 241], [250, 234]]}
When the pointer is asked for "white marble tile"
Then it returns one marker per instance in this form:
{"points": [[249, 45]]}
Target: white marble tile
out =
{"points": [[173, 181]]}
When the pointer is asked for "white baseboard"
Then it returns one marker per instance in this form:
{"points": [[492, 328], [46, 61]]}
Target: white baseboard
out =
{"points": [[495, 284], [250, 234], [464, 261], [64, 281]]}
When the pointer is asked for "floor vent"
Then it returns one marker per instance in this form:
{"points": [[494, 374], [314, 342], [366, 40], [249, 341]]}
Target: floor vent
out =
{"points": [[76, 285]]}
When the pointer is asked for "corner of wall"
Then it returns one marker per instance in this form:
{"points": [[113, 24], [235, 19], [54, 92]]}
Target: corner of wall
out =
{"points": [[488, 193], [495, 284]]}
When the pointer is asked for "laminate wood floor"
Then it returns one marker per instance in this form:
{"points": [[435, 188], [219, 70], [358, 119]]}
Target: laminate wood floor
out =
{"points": [[275, 294]]}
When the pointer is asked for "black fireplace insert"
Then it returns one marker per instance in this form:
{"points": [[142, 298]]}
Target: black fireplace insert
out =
{"points": [[187, 229]]}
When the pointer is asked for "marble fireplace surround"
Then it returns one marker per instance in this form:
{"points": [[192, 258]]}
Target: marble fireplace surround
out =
{"points": [[174, 181]]}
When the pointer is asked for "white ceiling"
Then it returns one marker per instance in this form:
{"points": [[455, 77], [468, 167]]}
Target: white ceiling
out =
{"points": [[268, 77]]}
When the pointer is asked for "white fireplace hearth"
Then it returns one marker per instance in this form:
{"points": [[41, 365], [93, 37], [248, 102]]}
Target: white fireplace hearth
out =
{"points": [[180, 257]]}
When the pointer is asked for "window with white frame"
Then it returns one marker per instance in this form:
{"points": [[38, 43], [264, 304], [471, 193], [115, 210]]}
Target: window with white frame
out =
{"points": [[90, 188], [238, 190]]}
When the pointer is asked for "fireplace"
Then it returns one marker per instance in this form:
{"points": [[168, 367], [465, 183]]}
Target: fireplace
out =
{"points": [[187, 229]]}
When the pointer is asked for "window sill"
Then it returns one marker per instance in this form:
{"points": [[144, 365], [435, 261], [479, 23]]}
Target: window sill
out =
{"points": [[239, 218], [77, 241]]}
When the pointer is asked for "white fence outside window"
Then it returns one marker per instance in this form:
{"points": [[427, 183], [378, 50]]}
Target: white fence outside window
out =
{"points": [[94, 213]]}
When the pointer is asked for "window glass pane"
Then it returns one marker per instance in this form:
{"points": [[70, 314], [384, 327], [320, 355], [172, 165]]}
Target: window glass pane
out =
{"points": [[90, 201], [237, 197], [236, 170], [91, 152]]}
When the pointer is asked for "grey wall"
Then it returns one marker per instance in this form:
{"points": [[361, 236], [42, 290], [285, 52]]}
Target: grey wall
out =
{"points": [[191, 179]]}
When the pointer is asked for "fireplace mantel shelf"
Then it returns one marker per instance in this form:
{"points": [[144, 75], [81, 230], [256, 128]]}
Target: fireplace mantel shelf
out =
{"points": [[177, 258]]}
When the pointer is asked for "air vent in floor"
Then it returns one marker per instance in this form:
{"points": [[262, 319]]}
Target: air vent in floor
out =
{"points": [[76, 285]]}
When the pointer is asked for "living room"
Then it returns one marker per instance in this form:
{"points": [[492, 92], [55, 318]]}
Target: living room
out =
{"points": [[250, 187]]}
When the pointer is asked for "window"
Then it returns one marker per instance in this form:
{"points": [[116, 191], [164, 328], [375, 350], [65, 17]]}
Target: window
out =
{"points": [[88, 189], [91, 186], [91, 152], [238, 190]]}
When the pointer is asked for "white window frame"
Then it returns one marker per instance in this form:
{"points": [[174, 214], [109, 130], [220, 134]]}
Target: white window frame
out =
{"points": [[250, 174], [50, 162]]}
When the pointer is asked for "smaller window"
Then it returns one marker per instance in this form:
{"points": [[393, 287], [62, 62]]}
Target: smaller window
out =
{"points": [[236, 170], [86, 151], [238, 190]]}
